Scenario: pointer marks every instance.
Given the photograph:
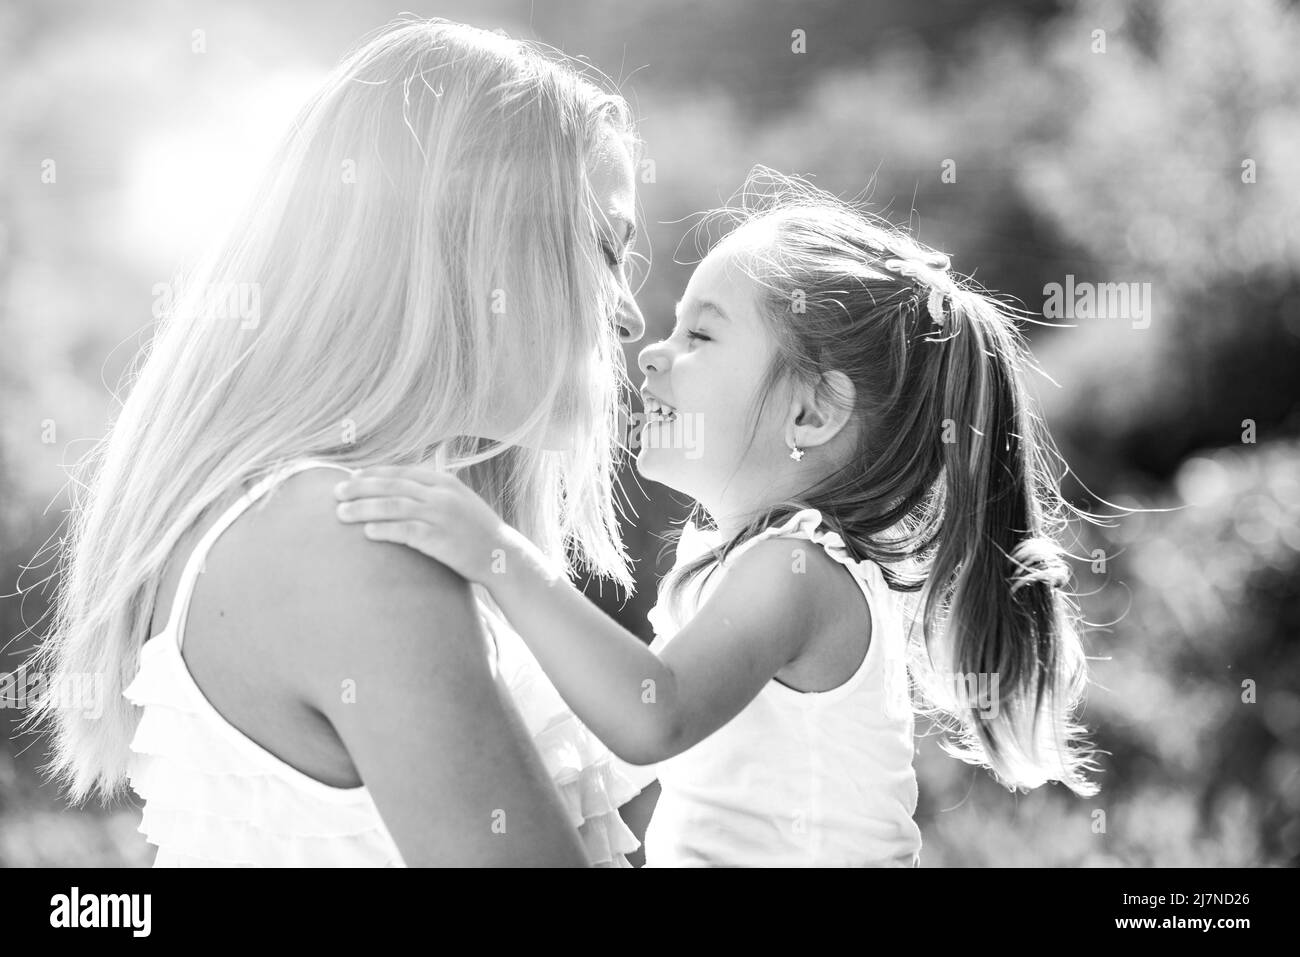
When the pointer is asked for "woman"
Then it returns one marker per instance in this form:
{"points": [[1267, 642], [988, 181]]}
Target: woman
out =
{"points": [[438, 253]]}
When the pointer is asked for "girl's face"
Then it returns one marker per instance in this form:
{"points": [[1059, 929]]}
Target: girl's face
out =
{"points": [[707, 431]]}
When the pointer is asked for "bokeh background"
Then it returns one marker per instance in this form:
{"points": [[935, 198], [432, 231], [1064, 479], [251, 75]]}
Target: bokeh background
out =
{"points": [[1161, 150]]}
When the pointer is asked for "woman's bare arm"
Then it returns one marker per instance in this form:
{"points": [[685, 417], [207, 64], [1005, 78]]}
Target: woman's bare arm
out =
{"points": [[430, 731]]}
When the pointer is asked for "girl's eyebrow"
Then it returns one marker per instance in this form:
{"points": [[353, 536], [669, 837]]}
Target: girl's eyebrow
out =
{"points": [[703, 305]]}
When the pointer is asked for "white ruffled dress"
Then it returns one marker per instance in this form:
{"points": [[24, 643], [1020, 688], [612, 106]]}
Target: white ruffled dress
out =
{"points": [[213, 797], [798, 779]]}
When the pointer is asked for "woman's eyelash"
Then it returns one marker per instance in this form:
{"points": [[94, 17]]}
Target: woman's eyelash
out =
{"points": [[612, 259], [692, 334]]}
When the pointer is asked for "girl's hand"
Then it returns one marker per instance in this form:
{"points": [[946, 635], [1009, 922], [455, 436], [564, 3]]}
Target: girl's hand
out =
{"points": [[430, 511]]}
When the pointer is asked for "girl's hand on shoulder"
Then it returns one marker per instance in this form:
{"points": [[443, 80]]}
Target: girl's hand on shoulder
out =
{"points": [[428, 510]]}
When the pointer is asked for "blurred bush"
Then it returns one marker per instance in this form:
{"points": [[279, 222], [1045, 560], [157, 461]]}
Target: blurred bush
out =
{"points": [[1195, 702]]}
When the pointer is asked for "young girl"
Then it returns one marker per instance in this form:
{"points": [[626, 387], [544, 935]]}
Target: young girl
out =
{"points": [[854, 421]]}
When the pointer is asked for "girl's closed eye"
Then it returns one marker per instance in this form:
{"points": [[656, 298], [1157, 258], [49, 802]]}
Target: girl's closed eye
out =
{"points": [[698, 336], [614, 260]]}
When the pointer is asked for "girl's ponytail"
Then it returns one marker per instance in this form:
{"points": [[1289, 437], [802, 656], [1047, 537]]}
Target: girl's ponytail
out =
{"points": [[996, 590]]}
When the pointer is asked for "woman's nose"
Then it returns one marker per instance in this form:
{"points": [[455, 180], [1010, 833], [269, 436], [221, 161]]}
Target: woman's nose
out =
{"points": [[631, 324]]}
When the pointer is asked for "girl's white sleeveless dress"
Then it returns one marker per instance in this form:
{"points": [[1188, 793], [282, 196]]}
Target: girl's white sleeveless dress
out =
{"points": [[215, 798], [798, 779]]}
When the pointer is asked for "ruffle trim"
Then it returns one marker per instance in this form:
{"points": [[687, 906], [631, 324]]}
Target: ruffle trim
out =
{"points": [[593, 782], [214, 797], [806, 523], [211, 839]]}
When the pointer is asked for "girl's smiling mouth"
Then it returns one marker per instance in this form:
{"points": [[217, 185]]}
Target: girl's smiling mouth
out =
{"points": [[657, 411]]}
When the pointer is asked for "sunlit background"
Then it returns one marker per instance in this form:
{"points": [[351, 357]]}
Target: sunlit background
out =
{"points": [[1111, 142]]}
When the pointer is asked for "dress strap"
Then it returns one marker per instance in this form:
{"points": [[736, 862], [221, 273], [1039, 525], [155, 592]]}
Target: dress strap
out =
{"points": [[180, 609], [806, 524]]}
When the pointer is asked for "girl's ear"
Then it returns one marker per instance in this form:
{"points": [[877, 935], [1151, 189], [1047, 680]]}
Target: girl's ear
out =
{"points": [[820, 410]]}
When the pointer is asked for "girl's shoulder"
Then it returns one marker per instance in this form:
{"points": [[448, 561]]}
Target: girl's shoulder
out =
{"points": [[802, 548], [810, 525]]}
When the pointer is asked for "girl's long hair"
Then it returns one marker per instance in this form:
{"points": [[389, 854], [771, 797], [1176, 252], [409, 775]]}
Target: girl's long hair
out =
{"points": [[950, 488], [427, 218]]}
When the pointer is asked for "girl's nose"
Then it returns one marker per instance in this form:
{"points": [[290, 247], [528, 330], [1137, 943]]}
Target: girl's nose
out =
{"points": [[653, 358], [631, 324]]}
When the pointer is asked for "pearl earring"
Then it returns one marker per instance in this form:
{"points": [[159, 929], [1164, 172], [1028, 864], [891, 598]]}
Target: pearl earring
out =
{"points": [[796, 453]]}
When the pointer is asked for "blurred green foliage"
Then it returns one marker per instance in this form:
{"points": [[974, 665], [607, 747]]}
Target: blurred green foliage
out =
{"points": [[1128, 165]]}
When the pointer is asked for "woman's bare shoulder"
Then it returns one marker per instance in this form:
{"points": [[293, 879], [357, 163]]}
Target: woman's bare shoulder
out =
{"points": [[386, 645], [295, 526], [318, 599]]}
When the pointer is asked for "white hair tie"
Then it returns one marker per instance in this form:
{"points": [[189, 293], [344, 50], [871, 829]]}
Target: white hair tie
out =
{"points": [[930, 277]]}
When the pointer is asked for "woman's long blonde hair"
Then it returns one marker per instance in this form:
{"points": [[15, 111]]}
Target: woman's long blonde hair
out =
{"points": [[429, 209]]}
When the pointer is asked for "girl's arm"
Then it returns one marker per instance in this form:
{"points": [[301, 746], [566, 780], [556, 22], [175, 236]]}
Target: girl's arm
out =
{"points": [[644, 707]]}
